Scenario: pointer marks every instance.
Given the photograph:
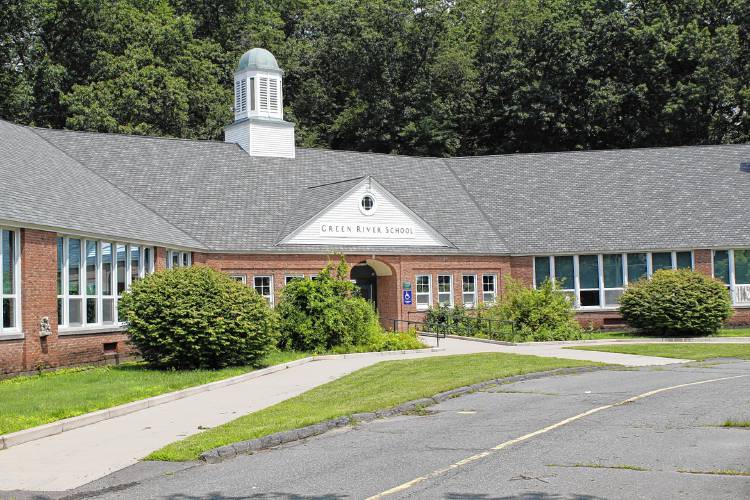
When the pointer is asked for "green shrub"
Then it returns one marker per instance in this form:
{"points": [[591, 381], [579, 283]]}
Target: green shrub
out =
{"points": [[196, 317], [450, 320], [675, 303], [540, 314], [384, 341], [322, 313]]}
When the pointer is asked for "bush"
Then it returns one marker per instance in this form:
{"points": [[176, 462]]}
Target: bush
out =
{"points": [[450, 320], [188, 318], [675, 303], [540, 314], [320, 314], [385, 341]]}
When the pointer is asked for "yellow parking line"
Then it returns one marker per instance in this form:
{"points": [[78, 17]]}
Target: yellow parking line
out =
{"points": [[479, 456]]}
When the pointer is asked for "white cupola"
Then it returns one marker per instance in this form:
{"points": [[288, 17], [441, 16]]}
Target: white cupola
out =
{"points": [[259, 127]]}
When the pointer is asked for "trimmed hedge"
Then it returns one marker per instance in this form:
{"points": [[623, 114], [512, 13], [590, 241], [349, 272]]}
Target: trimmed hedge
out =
{"points": [[195, 317], [676, 303]]}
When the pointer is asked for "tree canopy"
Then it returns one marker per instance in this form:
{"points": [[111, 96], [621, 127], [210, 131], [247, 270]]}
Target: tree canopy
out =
{"points": [[424, 77]]}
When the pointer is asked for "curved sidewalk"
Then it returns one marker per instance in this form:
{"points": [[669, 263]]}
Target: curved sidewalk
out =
{"points": [[76, 457]]}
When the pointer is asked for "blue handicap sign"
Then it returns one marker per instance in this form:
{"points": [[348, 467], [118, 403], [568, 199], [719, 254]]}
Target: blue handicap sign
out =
{"points": [[407, 297]]}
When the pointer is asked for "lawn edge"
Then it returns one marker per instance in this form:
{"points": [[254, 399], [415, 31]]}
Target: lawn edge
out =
{"points": [[59, 426], [250, 446]]}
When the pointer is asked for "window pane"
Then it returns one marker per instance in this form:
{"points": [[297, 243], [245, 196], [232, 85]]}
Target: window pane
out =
{"points": [[175, 259], [661, 260], [589, 297], [90, 268], [742, 267], [541, 270], [9, 260], [60, 264], [564, 272], [637, 266], [9, 317], [185, 259], [90, 311], [108, 311], [107, 268], [444, 283], [721, 265], [74, 313], [74, 266], [612, 297], [121, 268], [612, 270], [684, 260], [147, 252], [588, 271], [135, 263], [60, 311]]}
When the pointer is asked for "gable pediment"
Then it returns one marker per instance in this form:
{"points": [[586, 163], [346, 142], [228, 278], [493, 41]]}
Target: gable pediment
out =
{"points": [[361, 212]]}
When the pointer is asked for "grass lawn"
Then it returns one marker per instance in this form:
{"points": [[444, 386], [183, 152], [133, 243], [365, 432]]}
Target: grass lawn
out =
{"points": [[727, 332], [40, 399], [379, 386], [682, 350]]}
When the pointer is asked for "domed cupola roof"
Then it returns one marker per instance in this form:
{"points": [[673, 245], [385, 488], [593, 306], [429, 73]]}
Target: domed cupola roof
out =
{"points": [[259, 59]]}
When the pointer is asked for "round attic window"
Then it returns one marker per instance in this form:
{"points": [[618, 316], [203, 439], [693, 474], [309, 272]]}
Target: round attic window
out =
{"points": [[367, 205]]}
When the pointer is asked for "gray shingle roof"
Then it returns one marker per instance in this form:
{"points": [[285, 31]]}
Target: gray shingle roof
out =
{"points": [[618, 200], [233, 202], [212, 195], [44, 187]]}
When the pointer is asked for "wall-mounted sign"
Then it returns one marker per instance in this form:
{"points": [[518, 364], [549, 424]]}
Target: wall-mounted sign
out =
{"points": [[407, 297], [406, 285], [374, 231]]}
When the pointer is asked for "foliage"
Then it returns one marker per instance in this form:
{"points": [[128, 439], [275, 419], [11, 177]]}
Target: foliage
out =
{"points": [[384, 341], [431, 77], [539, 314], [197, 318], [676, 302], [376, 387], [326, 312]]}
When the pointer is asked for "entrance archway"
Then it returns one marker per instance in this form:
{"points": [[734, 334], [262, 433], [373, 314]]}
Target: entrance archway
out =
{"points": [[366, 279]]}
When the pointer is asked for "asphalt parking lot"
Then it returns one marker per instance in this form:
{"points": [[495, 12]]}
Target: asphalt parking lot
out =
{"points": [[669, 444]]}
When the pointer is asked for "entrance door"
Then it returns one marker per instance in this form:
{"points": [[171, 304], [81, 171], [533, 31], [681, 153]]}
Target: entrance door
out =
{"points": [[367, 281]]}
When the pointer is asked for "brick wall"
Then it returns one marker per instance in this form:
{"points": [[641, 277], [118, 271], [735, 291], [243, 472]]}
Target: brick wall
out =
{"points": [[39, 295]]}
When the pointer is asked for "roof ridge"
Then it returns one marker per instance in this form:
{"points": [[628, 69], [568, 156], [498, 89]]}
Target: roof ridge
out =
{"points": [[588, 151], [128, 195], [477, 205], [337, 182]]}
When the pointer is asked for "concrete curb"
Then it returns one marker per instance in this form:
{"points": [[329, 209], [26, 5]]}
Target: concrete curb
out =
{"points": [[250, 446], [635, 340], [68, 424]]}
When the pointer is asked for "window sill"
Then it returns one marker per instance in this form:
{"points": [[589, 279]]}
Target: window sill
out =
{"points": [[90, 330], [11, 336]]}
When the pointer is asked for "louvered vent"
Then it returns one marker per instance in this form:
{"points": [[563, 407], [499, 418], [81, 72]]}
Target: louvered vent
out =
{"points": [[263, 94], [240, 96], [273, 95]]}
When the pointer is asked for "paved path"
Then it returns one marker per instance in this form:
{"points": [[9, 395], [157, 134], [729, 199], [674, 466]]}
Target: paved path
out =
{"points": [[73, 458], [515, 441]]}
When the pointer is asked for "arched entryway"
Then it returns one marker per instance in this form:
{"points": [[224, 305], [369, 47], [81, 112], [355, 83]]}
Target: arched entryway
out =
{"points": [[366, 279]]}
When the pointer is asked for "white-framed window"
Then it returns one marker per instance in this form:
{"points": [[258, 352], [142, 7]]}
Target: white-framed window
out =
{"points": [[445, 290], [242, 278], [733, 268], [177, 258], [10, 281], [598, 280], [91, 277], [423, 291], [469, 290], [291, 277], [489, 288], [264, 286]]}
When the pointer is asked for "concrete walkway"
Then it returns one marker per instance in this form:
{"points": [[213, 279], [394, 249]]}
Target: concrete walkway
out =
{"points": [[74, 458]]}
